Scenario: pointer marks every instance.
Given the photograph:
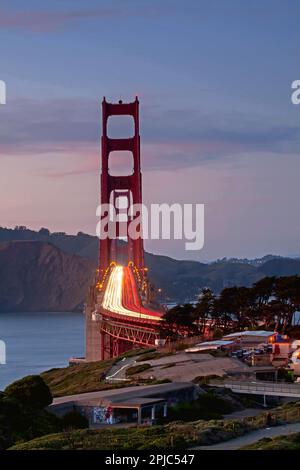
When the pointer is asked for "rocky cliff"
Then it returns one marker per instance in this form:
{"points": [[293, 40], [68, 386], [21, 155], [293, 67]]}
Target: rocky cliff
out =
{"points": [[37, 276]]}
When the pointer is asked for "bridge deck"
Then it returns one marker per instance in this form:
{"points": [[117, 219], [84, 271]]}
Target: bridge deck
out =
{"points": [[121, 297]]}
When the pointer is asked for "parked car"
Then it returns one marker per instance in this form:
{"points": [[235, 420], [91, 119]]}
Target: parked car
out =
{"points": [[259, 351], [248, 354], [239, 353]]}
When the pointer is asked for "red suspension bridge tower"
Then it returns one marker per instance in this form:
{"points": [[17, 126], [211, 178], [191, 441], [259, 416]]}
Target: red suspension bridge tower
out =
{"points": [[115, 187], [119, 313]]}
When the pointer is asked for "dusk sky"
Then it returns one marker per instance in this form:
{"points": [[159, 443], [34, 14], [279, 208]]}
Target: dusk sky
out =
{"points": [[217, 123]]}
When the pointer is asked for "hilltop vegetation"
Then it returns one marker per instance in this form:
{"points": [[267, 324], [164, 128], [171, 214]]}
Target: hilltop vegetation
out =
{"points": [[80, 378]]}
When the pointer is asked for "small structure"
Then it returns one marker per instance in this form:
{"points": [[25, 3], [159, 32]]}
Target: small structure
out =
{"points": [[281, 350], [295, 366], [252, 337], [140, 404]]}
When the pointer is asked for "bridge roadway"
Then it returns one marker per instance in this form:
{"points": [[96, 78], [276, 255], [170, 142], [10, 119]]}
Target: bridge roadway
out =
{"points": [[121, 297], [260, 388]]}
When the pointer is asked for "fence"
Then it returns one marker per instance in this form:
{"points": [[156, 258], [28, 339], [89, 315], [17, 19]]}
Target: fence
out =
{"points": [[181, 344]]}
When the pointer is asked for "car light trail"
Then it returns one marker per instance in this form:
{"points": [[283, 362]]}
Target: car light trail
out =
{"points": [[113, 298]]}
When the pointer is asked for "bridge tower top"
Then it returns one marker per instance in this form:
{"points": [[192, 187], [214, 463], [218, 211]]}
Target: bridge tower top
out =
{"points": [[114, 186]]}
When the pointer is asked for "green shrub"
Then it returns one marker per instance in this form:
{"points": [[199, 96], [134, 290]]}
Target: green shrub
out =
{"points": [[74, 420], [285, 375], [137, 352], [152, 356], [207, 406], [138, 369], [290, 442], [218, 333], [204, 379], [170, 364], [30, 391], [21, 423]]}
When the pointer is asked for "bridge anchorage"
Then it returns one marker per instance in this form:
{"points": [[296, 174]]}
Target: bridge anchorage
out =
{"points": [[121, 312]]}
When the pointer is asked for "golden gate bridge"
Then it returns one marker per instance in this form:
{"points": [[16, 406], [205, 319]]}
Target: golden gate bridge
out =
{"points": [[120, 312]]}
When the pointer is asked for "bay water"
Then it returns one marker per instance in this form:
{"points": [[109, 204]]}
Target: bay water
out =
{"points": [[36, 342]]}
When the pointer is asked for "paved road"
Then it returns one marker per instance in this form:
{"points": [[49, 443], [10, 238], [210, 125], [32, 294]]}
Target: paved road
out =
{"points": [[117, 373], [252, 437]]}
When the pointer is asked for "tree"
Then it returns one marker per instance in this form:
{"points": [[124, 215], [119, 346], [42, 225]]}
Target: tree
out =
{"points": [[30, 391], [262, 291], [181, 318], [271, 301], [45, 232], [205, 308], [235, 304], [287, 298]]}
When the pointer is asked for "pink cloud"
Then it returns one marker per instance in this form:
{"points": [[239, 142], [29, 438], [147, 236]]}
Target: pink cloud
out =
{"points": [[47, 21], [71, 128]]}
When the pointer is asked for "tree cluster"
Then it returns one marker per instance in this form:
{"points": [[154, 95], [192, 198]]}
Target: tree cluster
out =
{"points": [[270, 303]]}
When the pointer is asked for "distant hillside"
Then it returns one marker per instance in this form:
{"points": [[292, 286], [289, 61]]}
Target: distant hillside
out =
{"points": [[280, 267], [184, 279], [80, 244], [36, 276], [52, 272]]}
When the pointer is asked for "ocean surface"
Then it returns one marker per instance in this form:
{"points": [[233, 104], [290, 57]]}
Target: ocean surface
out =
{"points": [[36, 342]]}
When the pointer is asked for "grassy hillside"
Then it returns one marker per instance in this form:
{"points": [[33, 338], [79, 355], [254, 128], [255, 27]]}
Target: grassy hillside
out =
{"points": [[177, 435], [83, 378], [77, 378]]}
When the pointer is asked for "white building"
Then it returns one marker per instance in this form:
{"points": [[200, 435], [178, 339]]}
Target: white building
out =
{"points": [[249, 336]]}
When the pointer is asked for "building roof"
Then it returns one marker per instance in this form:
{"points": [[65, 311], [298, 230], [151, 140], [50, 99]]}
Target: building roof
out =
{"points": [[124, 394], [263, 333], [209, 345], [136, 402]]}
